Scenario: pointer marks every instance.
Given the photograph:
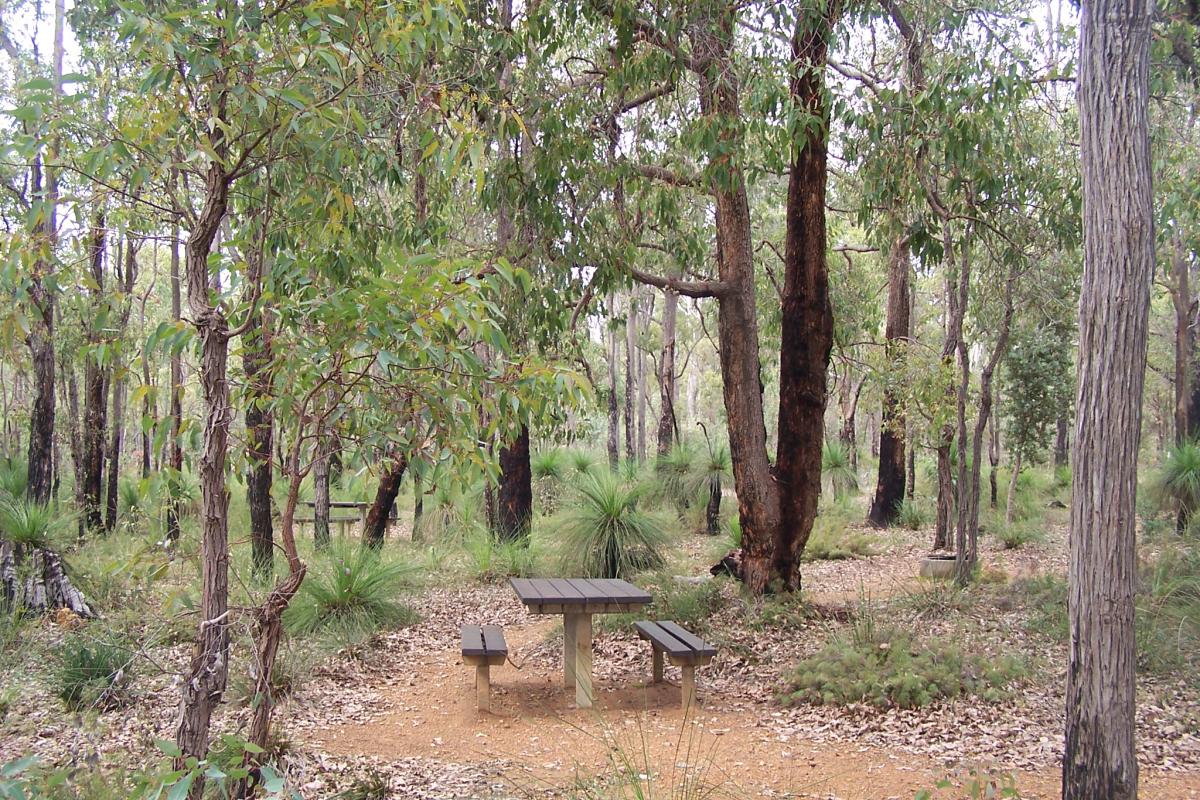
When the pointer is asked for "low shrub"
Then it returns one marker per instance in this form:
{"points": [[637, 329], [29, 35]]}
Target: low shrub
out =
{"points": [[606, 535], [913, 514], [1017, 534], [351, 596], [833, 539], [92, 674], [887, 668], [493, 559]]}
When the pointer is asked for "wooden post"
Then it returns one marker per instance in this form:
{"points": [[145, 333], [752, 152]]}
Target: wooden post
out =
{"points": [[569, 627], [658, 664], [583, 661], [483, 686], [689, 685]]}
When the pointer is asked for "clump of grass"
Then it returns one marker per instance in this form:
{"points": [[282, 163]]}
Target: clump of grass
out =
{"points": [[92, 674], [886, 667], [1046, 598], [31, 524], [672, 483], [832, 539], [549, 468], [733, 531], [837, 470], [493, 559], [351, 596], [1168, 612], [606, 534], [581, 462], [912, 514], [1017, 534], [14, 477]]}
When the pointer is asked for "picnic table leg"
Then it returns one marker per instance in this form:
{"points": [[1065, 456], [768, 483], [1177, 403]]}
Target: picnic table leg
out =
{"points": [[658, 664], [483, 687], [569, 626], [583, 661], [689, 685]]}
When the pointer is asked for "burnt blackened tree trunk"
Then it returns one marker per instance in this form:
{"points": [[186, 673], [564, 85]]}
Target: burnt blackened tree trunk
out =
{"points": [[1118, 244], [260, 421], [95, 390], [375, 527], [889, 488], [515, 498], [807, 317]]}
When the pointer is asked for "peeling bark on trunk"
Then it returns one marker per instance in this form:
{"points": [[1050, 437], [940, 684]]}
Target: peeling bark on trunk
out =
{"points": [[515, 500], [375, 528], [668, 426], [1118, 235]]}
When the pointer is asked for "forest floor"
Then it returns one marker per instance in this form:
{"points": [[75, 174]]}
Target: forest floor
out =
{"points": [[411, 701], [396, 717]]}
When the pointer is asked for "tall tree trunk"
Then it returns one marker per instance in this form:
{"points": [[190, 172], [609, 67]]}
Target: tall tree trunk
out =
{"points": [[95, 390], [889, 489], [375, 528], [806, 321], [176, 446], [1011, 501], [644, 322], [965, 550], [516, 489], [1185, 343], [260, 421], [631, 317], [614, 416], [993, 448], [418, 506], [204, 683], [668, 426], [126, 279], [1118, 234], [321, 495], [73, 435], [1062, 445]]}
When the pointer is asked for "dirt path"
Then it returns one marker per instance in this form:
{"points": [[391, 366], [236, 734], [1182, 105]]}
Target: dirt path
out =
{"points": [[539, 743]]}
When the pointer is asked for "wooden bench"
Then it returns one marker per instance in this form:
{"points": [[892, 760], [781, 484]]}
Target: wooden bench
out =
{"points": [[686, 650], [341, 522], [484, 647]]}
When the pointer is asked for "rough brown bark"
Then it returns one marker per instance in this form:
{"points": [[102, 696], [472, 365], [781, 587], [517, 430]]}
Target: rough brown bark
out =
{"points": [[515, 496], [126, 279], [260, 421], [614, 416], [631, 316], [807, 318], [668, 426], [204, 682], [889, 488], [1118, 242], [375, 528], [95, 392], [175, 459], [321, 496]]}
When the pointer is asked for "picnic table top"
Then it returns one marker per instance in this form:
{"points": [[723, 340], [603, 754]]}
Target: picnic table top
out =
{"points": [[578, 592], [339, 503]]}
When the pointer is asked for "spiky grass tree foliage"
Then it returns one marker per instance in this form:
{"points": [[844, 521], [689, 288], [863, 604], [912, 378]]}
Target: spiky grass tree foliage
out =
{"points": [[29, 524], [837, 470], [351, 596], [1178, 483], [581, 461], [14, 477], [605, 533], [708, 479], [549, 468], [673, 473]]}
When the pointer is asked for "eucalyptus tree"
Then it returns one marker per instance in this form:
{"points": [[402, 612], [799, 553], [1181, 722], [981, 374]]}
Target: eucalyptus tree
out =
{"points": [[1118, 245]]}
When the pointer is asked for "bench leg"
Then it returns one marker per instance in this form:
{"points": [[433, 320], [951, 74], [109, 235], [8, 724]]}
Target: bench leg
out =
{"points": [[583, 661], [569, 627], [483, 687], [689, 685], [658, 664]]}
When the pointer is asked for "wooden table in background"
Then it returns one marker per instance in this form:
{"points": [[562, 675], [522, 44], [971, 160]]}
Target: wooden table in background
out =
{"points": [[577, 599]]}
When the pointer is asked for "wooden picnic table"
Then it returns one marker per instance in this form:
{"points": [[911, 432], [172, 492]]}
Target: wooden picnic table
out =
{"points": [[577, 599]]}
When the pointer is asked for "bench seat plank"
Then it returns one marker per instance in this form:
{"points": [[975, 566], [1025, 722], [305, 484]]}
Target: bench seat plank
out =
{"points": [[472, 641], [694, 642], [493, 640], [674, 640]]}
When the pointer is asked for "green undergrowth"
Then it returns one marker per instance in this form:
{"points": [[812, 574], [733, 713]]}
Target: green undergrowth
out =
{"points": [[689, 604], [886, 667]]}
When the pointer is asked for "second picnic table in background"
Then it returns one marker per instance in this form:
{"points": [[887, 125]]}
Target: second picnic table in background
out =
{"points": [[577, 599]]}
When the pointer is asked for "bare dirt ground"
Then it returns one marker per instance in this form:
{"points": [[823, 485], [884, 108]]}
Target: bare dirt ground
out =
{"points": [[409, 710]]}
